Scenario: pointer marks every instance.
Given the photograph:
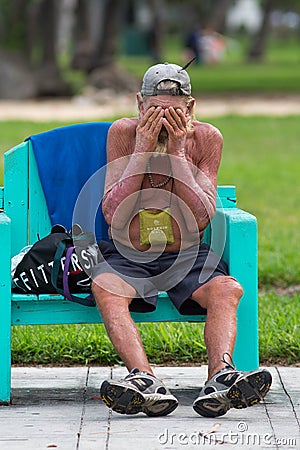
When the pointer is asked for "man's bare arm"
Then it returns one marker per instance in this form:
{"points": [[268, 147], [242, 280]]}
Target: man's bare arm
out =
{"points": [[127, 164], [196, 191], [195, 186]]}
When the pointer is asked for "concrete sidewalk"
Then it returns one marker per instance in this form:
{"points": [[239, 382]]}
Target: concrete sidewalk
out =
{"points": [[60, 408]]}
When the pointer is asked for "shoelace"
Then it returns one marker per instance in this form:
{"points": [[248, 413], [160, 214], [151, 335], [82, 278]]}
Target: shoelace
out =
{"points": [[229, 363], [232, 366], [136, 371]]}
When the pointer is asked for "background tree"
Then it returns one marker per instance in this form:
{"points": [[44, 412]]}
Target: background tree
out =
{"points": [[31, 59], [29, 49], [258, 46], [259, 41], [48, 75], [156, 32], [97, 29], [219, 13]]}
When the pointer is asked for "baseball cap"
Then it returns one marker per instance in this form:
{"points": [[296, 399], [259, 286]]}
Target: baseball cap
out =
{"points": [[163, 72]]}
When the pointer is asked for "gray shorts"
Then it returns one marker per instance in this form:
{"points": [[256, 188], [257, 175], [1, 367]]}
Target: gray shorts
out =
{"points": [[180, 274]]}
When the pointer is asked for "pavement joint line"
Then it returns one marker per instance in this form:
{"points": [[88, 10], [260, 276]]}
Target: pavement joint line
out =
{"points": [[83, 409], [109, 419], [288, 395], [108, 429], [270, 423]]}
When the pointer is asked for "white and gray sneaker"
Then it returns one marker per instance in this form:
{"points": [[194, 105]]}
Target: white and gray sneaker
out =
{"points": [[138, 392], [230, 388]]}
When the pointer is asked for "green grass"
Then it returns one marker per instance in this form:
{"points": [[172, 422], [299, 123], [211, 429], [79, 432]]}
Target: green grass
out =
{"points": [[279, 319], [261, 157], [233, 77], [279, 71], [278, 51], [165, 343]]}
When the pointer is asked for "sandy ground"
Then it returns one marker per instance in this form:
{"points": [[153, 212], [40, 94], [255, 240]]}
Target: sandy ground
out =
{"points": [[83, 108]]}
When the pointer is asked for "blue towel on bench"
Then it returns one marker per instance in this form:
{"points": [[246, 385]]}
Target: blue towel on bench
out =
{"points": [[66, 158]]}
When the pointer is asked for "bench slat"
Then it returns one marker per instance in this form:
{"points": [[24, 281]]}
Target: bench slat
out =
{"points": [[16, 184], [55, 310], [39, 220]]}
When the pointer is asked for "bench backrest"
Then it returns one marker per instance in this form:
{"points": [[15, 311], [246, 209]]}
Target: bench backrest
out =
{"points": [[44, 175]]}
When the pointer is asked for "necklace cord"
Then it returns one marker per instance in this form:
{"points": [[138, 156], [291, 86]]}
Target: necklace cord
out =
{"points": [[166, 181], [162, 183]]}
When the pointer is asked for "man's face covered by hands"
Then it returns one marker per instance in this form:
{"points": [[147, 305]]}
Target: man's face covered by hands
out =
{"points": [[171, 112]]}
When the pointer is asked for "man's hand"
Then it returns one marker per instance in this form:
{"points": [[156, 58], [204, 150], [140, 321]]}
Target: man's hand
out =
{"points": [[175, 123], [148, 130]]}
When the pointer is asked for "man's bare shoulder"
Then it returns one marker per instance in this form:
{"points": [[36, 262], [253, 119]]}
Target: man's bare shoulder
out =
{"points": [[125, 125], [121, 137], [207, 144], [207, 131]]}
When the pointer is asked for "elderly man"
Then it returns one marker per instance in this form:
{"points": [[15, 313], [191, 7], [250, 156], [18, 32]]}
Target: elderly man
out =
{"points": [[160, 195]]}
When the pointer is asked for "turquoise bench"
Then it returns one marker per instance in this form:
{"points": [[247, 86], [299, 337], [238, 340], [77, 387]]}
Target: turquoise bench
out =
{"points": [[24, 216]]}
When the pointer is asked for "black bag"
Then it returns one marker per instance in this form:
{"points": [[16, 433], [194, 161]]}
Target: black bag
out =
{"points": [[59, 263]]}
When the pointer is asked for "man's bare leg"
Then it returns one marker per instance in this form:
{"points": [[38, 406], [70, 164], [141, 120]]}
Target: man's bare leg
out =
{"points": [[113, 297], [230, 389], [137, 392], [220, 296]]}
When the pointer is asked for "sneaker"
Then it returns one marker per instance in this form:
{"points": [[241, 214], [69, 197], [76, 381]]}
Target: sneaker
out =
{"points": [[230, 388], [138, 392]]}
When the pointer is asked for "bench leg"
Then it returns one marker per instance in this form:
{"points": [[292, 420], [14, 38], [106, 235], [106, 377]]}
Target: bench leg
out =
{"points": [[5, 374], [5, 309], [244, 266], [246, 351], [240, 253]]}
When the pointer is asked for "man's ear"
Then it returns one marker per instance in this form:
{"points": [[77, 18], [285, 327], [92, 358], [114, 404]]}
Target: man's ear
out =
{"points": [[140, 102], [190, 105]]}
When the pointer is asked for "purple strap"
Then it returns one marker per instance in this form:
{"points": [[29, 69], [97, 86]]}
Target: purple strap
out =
{"points": [[89, 299], [67, 292]]}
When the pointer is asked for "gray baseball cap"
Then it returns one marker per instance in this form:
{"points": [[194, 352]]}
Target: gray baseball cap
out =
{"points": [[164, 72]]}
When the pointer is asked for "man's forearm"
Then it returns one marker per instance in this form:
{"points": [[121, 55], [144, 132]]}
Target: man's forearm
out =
{"points": [[124, 190], [195, 191]]}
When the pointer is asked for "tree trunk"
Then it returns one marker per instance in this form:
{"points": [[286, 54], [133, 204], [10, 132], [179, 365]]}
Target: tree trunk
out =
{"points": [[257, 50], [96, 33], [49, 79], [157, 27], [48, 21], [82, 43], [220, 10], [105, 51]]}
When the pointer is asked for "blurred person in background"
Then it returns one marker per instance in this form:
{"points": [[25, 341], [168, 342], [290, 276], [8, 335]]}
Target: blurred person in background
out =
{"points": [[213, 46], [193, 47]]}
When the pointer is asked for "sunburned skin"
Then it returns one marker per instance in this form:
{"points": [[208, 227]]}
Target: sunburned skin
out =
{"points": [[193, 155], [165, 136]]}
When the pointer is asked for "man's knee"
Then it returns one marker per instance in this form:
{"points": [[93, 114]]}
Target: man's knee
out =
{"points": [[218, 290], [227, 288], [108, 288], [230, 284]]}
